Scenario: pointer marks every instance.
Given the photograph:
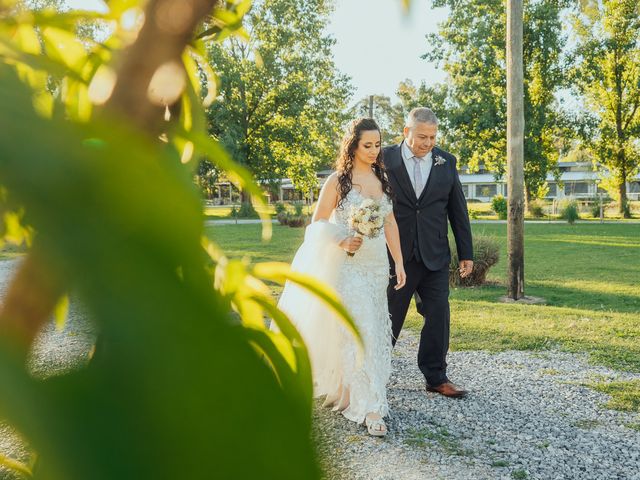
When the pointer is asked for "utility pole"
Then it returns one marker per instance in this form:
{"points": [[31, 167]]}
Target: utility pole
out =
{"points": [[370, 106], [515, 150]]}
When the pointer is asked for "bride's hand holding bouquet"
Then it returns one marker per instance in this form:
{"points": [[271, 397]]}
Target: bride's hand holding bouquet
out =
{"points": [[365, 220]]}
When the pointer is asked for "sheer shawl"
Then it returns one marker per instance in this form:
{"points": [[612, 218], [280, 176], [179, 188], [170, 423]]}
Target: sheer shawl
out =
{"points": [[319, 256]]}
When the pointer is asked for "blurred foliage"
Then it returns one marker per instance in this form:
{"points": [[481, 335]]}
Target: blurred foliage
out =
{"points": [[282, 100], [470, 45], [180, 387], [607, 74]]}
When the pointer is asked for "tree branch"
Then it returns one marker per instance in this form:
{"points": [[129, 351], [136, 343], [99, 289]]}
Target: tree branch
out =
{"points": [[37, 286], [167, 30]]}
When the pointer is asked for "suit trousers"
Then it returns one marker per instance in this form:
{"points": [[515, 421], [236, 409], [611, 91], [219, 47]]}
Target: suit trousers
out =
{"points": [[433, 289]]}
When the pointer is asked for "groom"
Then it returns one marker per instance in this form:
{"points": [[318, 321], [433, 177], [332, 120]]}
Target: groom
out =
{"points": [[427, 191]]}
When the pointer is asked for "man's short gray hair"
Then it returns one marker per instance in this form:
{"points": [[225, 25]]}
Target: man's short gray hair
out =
{"points": [[421, 115]]}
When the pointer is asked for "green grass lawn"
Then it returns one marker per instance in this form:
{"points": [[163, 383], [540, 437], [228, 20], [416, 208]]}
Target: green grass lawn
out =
{"points": [[482, 211], [588, 274], [224, 211], [9, 251], [244, 241], [217, 213]]}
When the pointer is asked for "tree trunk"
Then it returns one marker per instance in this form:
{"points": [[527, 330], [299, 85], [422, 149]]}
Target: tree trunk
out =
{"points": [[621, 138], [515, 150], [622, 193]]}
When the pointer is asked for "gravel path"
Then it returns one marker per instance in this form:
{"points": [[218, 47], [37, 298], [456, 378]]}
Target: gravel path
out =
{"points": [[54, 352], [527, 417]]}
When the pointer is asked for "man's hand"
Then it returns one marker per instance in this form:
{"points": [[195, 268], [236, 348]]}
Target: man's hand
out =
{"points": [[466, 267]]}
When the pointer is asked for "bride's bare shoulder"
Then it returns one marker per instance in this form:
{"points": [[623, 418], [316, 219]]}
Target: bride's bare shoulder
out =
{"points": [[328, 198], [333, 177], [332, 181]]}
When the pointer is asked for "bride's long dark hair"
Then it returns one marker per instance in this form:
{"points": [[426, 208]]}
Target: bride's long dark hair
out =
{"points": [[344, 163]]}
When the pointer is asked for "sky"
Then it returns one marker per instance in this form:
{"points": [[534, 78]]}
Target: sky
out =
{"points": [[377, 44]]}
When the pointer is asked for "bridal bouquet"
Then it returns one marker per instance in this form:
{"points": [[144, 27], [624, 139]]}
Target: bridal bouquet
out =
{"points": [[365, 219]]}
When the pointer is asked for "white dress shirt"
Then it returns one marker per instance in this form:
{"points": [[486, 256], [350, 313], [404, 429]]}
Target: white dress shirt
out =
{"points": [[409, 163]]}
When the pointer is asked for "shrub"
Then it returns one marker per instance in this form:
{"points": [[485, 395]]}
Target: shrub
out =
{"points": [[283, 218], [595, 209], [499, 205], [280, 207], [569, 210], [247, 211], [536, 208], [486, 253], [297, 221], [473, 213], [298, 206]]}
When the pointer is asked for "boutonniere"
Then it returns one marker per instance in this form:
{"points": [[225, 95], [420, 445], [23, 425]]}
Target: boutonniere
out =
{"points": [[438, 160]]}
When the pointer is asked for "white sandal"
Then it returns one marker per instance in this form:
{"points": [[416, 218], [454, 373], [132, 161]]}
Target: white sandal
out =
{"points": [[375, 426]]}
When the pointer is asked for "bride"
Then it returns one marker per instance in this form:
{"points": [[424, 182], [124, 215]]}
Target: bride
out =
{"points": [[353, 380]]}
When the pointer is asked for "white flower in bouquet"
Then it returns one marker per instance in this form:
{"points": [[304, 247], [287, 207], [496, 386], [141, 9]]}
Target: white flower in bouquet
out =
{"points": [[366, 219], [365, 230]]}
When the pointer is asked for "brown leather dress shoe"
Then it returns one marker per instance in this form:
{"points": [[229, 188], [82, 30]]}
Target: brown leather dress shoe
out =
{"points": [[448, 389]]}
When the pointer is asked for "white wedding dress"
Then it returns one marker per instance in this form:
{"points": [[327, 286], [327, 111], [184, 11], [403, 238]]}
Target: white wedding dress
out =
{"points": [[353, 380]]}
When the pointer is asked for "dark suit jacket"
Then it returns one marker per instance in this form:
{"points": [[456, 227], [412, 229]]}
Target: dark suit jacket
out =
{"points": [[423, 221]]}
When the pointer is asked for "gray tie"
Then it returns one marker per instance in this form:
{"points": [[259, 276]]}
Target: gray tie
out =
{"points": [[418, 183]]}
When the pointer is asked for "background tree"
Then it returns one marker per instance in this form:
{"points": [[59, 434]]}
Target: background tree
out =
{"points": [[281, 100], [206, 177], [433, 96], [389, 116], [607, 74], [471, 45]]}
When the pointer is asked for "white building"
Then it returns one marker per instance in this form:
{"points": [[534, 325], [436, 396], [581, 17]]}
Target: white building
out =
{"points": [[578, 180]]}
